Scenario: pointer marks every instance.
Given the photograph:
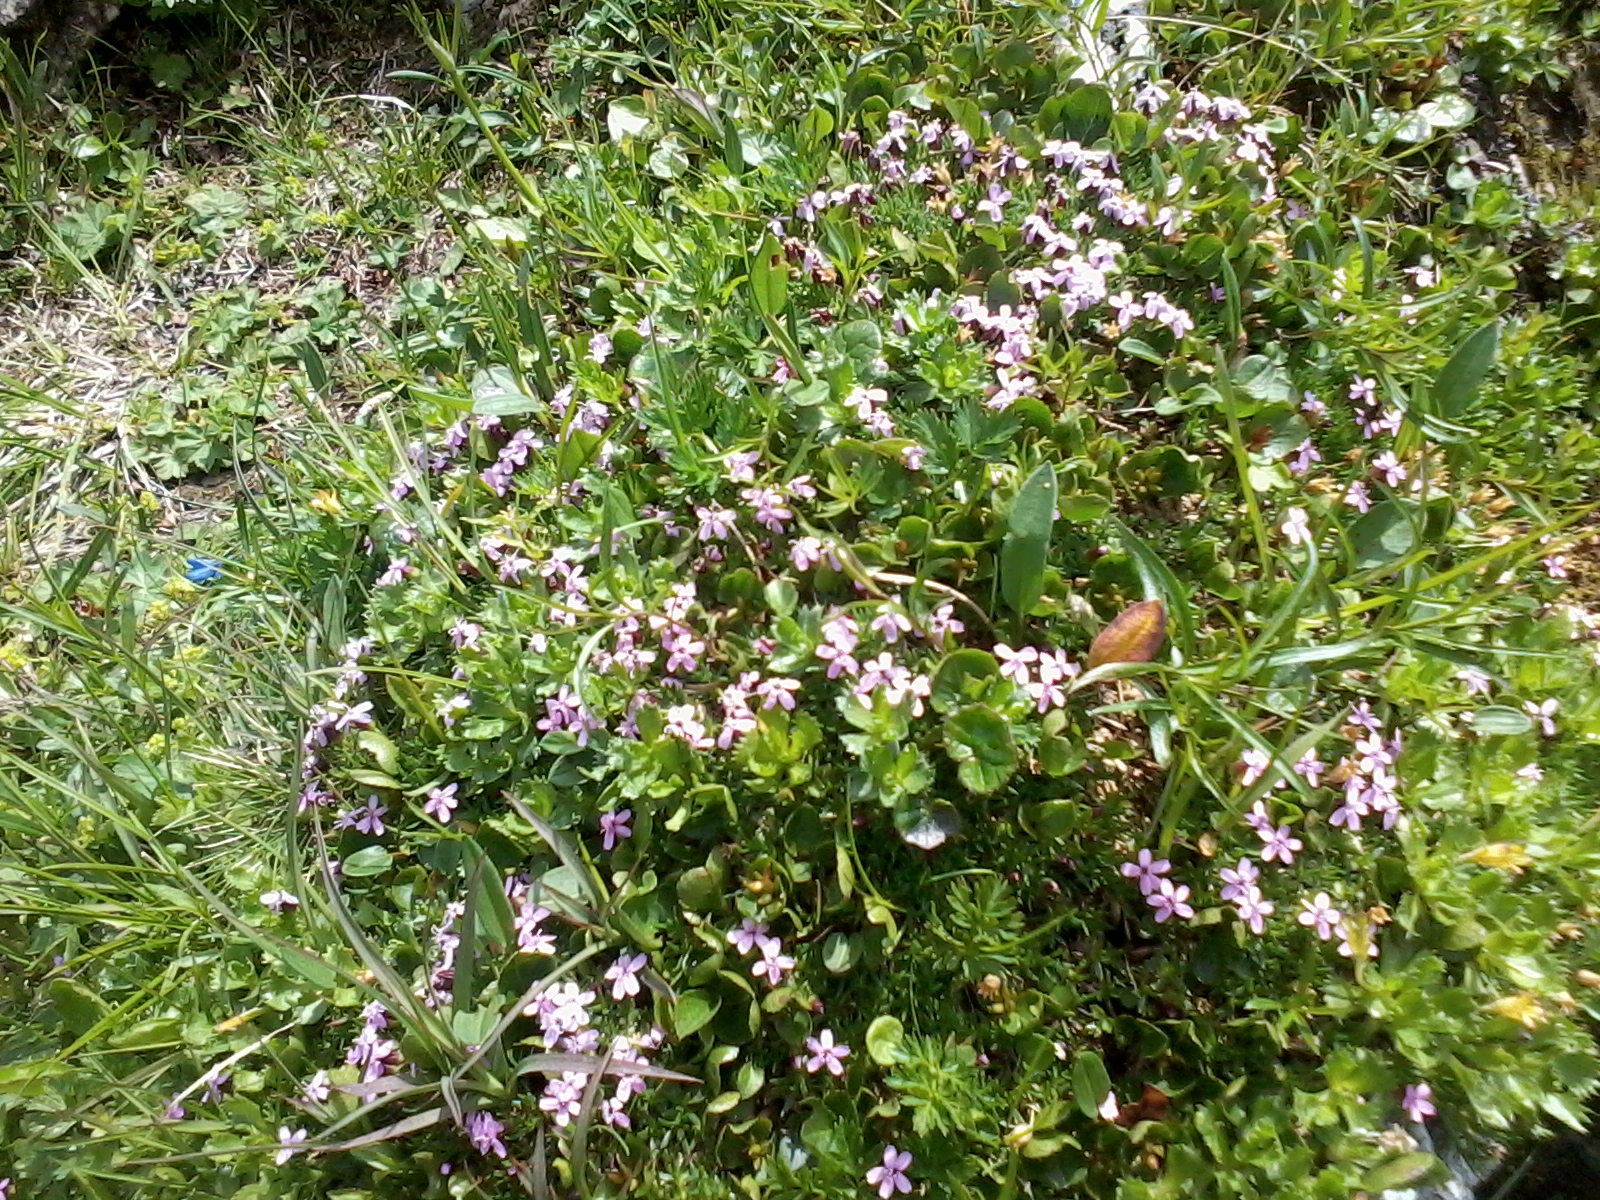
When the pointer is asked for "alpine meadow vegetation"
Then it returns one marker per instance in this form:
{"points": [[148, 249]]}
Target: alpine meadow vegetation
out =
{"points": [[802, 601]]}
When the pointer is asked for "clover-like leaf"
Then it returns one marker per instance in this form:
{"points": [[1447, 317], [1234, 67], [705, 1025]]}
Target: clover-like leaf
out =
{"points": [[979, 740]]}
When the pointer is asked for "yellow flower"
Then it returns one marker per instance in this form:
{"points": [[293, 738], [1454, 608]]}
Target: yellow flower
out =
{"points": [[326, 501], [1502, 856], [1523, 1007]]}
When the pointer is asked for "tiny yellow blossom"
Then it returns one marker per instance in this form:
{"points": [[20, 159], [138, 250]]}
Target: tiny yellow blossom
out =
{"points": [[1502, 856], [1523, 1007]]}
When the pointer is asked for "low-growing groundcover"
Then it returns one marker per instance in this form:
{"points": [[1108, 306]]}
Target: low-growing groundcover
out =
{"points": [[904, 616]]}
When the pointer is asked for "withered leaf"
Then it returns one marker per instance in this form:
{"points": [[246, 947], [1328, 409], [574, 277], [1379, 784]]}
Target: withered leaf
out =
{"points": [[1135, 636]]}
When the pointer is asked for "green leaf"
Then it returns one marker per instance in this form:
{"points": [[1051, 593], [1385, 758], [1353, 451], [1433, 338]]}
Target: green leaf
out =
{"points": [[884, 1037], [376, 743], [1383, 535], [769, 277], [496, 392], [1027, 544], [1497, 719], [928, 827], [1455, 390], [1090, 1083], [962, 677], [861, 345], [366, 862], [694, 1011], [1401, 1172], [979, 740], [1082, 507], [1087, 113]]}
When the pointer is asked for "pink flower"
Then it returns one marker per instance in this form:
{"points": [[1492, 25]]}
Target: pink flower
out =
{"points": [[484, 1131], [748, 936], [778, 692], [464, 634], [1148, 870], [1357, 498], [1253, 909], [1555, 566], [1388, 465], [1296, 527], [943, 622], [773, 962], [614, 827], [1255, 764], [741, 465], [1170, 901], [442, 802], [1259, 819], [715, 523], [891, 622], [1279, 844], [1477, 681], [1014, 663], [769, 507], [369, 820], [824, 1053], [1320, 913], [1543, 714], [1364, 391], [318, 1088], [288, 1142], [624, 975], [912, 456], [891, 1176], [1310, 768], [1418, 1102], [1239, 880]]}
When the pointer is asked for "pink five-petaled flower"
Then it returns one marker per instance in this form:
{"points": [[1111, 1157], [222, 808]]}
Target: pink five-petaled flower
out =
{"points": [[891, 1176], [748, 936], [442, 802], [1320, 913], [1259, 819], [288, 1142], [624, 975], [1555, 566], [1279, 843], [1310, 768], [741, 465], [1388, 465], [1255, 763], [1297, 527], [484, 1131], [369, 820], [1477, 681], [1239, 880], [1015, 662], [614, 827], [715, 523], [1418, 1102], [826, 1054], [891, 622], [318, 1088], [773, 962], [1169, 901], [1356, 496], [1253, 910], [1148, 870]]}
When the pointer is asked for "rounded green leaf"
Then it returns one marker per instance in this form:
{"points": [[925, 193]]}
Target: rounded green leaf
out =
{"points": [[884, 1037]]}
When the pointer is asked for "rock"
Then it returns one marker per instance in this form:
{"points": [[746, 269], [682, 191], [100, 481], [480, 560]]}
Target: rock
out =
{"points": [[60, 30]]}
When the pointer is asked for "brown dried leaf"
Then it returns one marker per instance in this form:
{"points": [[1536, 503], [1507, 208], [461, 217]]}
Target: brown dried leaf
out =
{"points": [[1135, 636]]}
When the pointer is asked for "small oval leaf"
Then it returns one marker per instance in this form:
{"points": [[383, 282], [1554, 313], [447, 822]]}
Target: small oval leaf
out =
{"points": [[1134, 637]]}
